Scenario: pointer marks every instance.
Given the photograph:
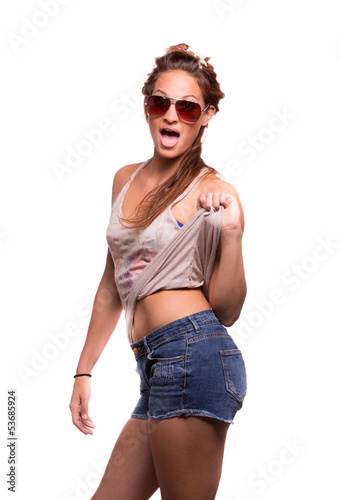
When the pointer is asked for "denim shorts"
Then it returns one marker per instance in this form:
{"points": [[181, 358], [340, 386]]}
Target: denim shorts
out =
{"points": [[190, 366]]}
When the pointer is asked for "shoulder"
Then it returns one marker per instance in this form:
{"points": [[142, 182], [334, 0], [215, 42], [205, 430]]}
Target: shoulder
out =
{"points": [[214, 184], [121, 178]]}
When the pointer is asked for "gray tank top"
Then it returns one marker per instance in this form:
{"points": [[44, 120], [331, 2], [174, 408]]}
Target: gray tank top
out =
{"points": [[163, 255]]}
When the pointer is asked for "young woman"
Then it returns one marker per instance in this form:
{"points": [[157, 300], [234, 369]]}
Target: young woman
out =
{"points": [[175, 265]]}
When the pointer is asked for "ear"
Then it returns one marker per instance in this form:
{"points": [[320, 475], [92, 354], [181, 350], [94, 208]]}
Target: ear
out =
{"points": [[209, 113]]}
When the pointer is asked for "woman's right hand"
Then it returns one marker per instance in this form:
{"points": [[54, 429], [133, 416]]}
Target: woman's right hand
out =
{"points": [[79, 405]]}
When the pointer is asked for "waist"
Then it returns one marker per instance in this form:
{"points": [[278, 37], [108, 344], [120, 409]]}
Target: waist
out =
{"points": [[191, 322], [165, 306]]}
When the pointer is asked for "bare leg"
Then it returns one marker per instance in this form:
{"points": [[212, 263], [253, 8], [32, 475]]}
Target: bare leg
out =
{"points": [[188, 456], [130, 473]]}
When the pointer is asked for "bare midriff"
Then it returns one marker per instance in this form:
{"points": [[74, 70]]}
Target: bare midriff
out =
{"points": [[164, 306]]}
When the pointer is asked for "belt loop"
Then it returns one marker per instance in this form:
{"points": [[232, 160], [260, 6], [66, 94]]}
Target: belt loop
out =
{"points": [[194, 323], [145, 343]]}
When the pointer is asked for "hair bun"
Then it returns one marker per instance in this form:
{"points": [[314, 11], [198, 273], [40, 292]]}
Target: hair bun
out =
{"points": [[183, 47], [180, 46]]}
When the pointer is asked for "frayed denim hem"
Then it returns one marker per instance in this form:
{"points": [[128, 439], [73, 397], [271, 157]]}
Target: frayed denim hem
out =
{"points": [[189, 413], [141, 417]]}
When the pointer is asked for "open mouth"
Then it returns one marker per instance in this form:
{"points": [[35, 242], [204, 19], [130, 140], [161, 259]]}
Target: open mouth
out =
{"points": [[169, 137]]}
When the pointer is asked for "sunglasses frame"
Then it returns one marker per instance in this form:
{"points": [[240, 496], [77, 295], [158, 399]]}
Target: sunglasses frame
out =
{"points": [[176, 100]]}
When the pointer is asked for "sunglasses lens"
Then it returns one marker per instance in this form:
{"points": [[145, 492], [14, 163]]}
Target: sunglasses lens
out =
{"points": [[157, 105], [188, 111]]}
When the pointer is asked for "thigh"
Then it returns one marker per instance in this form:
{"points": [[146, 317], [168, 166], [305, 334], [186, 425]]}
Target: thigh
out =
{"points": [[130, 473], [188, 456]]}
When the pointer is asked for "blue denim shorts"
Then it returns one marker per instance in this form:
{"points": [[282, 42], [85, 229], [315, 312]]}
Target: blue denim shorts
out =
{"points": [[190, 366]]}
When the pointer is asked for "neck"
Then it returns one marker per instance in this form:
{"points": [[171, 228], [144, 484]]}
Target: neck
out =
{"points": [[161, 168]]}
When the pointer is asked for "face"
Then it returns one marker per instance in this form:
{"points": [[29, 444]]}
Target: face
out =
{"points": [[180, 85]]}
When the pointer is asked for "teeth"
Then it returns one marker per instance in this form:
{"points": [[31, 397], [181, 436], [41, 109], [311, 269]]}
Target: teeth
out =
{"points": [[168, 130]]}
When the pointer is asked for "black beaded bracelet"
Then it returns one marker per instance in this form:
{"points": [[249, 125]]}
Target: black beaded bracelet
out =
{"points": [[83, 374]]}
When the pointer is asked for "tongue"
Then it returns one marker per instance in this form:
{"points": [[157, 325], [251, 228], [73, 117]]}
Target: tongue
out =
{"points": [[169, 139]]}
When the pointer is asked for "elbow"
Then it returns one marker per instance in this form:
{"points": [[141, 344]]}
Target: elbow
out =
{"points": [[231, 320], [229, 315]]}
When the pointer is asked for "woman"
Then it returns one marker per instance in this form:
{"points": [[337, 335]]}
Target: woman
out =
{"points": [[192, 374]]}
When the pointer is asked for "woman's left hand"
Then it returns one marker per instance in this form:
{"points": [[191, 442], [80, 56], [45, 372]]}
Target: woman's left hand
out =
{"points": [[232, 213]]}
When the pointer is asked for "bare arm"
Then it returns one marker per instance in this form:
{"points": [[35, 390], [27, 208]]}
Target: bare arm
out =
{"points": [[227, 287], [106, 312]]}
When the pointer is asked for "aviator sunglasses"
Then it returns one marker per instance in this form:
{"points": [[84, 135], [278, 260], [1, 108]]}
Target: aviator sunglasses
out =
{"points": [[187, 111]]}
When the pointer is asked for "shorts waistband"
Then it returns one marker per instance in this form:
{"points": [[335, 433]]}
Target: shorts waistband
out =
{"points": [[192, 321]]}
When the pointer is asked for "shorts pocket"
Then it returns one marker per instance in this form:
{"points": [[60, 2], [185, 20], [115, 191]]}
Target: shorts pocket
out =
{"points": [[171, 350], [208, 335], [152, 357], [166, 360], [234, 373], [167, 368]]}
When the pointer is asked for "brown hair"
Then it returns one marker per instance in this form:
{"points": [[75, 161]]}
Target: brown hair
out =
{"points": [[156, 201]]}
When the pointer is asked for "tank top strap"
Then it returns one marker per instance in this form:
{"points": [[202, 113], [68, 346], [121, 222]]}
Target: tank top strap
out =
{"points": [[120, 196], [187, 190]]}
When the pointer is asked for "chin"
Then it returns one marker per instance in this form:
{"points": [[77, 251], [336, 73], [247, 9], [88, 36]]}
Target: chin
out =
{"points": [[170, 155]]}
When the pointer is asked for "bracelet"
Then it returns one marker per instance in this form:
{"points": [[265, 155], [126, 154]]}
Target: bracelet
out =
{"points": [[83, 374]]}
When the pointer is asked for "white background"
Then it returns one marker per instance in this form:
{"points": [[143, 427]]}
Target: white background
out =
{"points": [[88, 63]]}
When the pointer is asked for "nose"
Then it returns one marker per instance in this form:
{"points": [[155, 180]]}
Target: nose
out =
{"points": [[171, 114]]}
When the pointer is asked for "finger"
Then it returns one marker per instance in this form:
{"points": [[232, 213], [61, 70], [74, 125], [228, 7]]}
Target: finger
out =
{"points": [[216, 200], [86, 425], [209, 200], [83, 428], [83, 425], [84, 411], [224, 199], [201, 203], [87, 422], [77, 422]]}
